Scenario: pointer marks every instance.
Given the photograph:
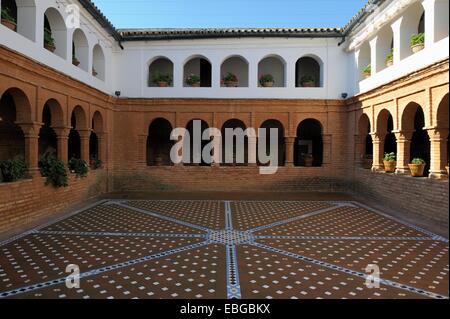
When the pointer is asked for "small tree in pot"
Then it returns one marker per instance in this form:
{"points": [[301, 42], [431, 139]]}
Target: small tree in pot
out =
{"points": [[417, 167], [266, 80], [230, 80], [390, 162], [13, 170], [417, 42], [308, 81], [193, 80], [162, 80], [8, 20], [49, 42], [367, 71], [390, 58]]}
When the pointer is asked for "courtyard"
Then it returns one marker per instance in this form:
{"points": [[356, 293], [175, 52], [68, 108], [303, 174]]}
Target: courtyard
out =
{"points": [[225, 249]]}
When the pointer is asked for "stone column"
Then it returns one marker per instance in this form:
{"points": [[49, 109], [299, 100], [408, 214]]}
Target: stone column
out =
{"points": [[31, 136], [62, 137], [378, 148], [290, 141], [84, 141], [438, 152], [403, 151]]}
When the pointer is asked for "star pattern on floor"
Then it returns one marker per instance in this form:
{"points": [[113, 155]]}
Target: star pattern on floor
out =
{"points": [[225, 249]]}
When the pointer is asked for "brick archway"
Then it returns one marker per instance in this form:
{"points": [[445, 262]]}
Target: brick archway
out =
{"points": [[12, 141], [275, 124], [159, 143], [309, 143]]}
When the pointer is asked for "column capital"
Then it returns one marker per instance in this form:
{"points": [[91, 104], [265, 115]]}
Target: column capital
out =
{"points": [[377, 136], [437, 133], [30, 129], [84, 134], [62, 132], [403, 135], [289, 140]]}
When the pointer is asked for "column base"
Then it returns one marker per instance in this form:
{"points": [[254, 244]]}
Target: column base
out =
{"points": [[438, 175], [402, 171]]}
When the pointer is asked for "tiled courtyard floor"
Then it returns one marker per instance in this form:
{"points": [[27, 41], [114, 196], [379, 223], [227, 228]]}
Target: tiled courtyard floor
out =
{"points": [[225, 249]]}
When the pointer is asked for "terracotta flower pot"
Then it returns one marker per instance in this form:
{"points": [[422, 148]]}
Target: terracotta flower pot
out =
{"points": [[163, 84], [9, 24], [416, 169], [366, 75], [389, 167], [75, 62], [309, 84], [195, 85], [94, 73], [268, 84], [231, 84], [50, 47], [418, 47], [389, 63]]}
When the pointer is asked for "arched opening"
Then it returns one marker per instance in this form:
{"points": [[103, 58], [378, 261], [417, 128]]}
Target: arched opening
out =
{"points": [[278, 126], [385, 48], [12, 142], [308, 150], [238, 153], [385, 126], [271, 72], [234, 72], [413, 23], [80, 50], [197, 72], [20, 16], [74, 143], [420, 142], [364, 61], [441, 12], [366, 145], [196, 128], [55, 33], [97, 122], [159, 143], [442, 123], [98, 63], [93, 147], [160, 73], [308, 72], [47, 136]]}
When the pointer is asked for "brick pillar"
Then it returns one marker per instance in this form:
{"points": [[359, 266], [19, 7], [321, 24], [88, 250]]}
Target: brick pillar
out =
{"points": [[252, 142], [359, 150], [84, 140], [403, 151], [62, 137], [142, 151], [31, 136], [438, 152], [327, 138], [289, 141], [378, 150]]}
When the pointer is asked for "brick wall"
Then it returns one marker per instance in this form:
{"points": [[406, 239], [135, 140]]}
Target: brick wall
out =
{"points": [[24, 202]]}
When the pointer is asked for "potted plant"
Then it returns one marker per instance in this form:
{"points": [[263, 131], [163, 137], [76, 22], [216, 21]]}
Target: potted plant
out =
{"points": [[193, 80], [266, 80], [390, 162], [308, 158], [367, 71], [162, 80], [8, 20], [308, 81], [94, 72], [75, 61], [390, 58], [78, 167], [96, 163], [367, 161], [54, 170], [417, 167], [417, 42], [230, 80], [49, 42]]}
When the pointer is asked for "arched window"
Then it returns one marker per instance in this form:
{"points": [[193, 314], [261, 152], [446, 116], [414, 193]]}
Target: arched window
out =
{"points": [[270, 125], [20, 16], [12, 142], [365, 151], [385, 127], [94, 142], [47, 136], [271, 72], [98, 63], [160, 73], [309, 144], [308, 72], [55, 33], [413, 24], [234, 72], [385, 48], [197, 72], [238, 153], [159, 143], [364, 61], [80, 50]]}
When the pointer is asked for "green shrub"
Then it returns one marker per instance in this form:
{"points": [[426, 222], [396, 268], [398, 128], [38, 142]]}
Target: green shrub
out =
{"points": [[13, 169], [367, 69], [160, 77], [230, 77], [48, 39], [390, 56], [6, 14], [389, 157], [54, 169], [96, 164], [78, 166], [307, 78], [418, 38], [418, 161], [192, 79]]}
